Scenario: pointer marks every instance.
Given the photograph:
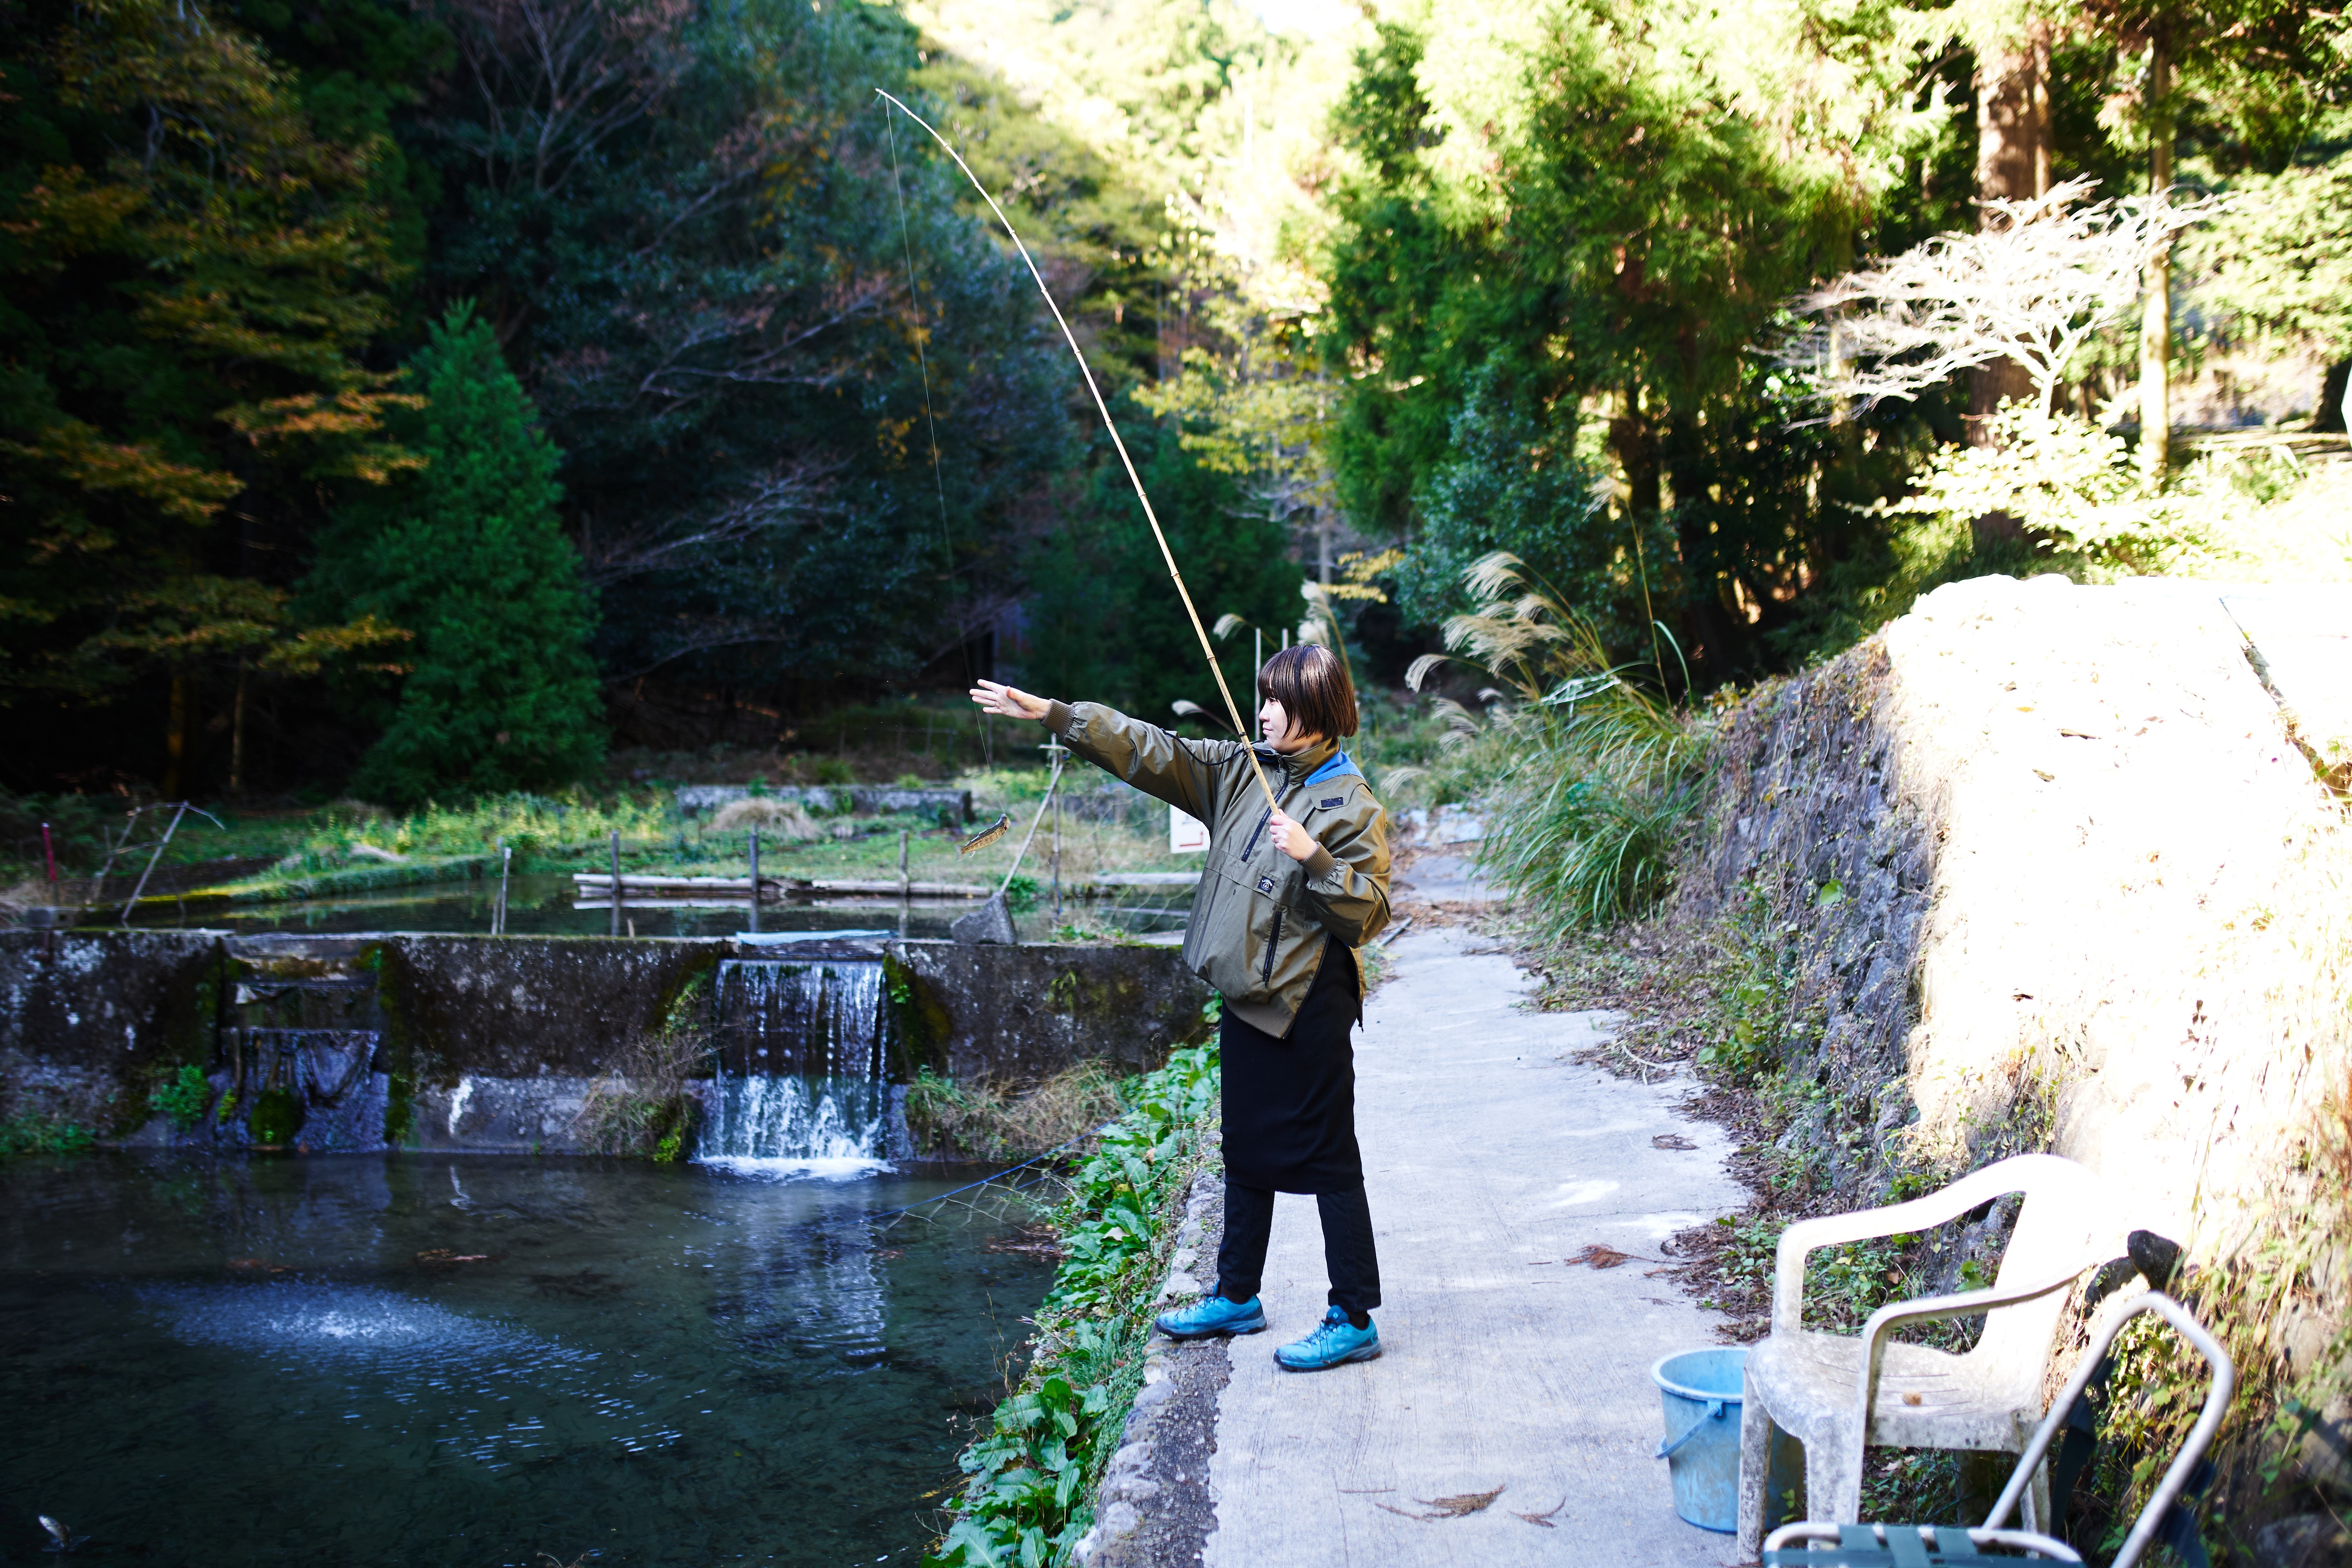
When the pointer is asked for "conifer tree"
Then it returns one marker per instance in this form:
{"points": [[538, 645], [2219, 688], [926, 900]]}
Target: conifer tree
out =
{"points": [[501, 693]]}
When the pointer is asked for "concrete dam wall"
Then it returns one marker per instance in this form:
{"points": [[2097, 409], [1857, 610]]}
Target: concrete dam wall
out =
{"points": [[512, 1044]]}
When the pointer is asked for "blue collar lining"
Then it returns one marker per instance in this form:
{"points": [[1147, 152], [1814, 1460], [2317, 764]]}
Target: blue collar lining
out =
{"points": [[1339, 763]]}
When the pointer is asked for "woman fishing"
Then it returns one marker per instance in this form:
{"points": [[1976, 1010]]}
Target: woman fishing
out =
{"points": [[1289, 893]]}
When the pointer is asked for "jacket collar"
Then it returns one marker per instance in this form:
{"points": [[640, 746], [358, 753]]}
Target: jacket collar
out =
{"points": [[1298, 767]]}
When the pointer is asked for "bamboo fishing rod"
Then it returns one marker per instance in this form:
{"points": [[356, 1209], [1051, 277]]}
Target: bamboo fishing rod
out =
{"points": [[1103, 408]]}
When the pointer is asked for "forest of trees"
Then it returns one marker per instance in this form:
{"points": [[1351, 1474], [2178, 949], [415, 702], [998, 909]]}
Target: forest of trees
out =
{"points": [[421, 395]]}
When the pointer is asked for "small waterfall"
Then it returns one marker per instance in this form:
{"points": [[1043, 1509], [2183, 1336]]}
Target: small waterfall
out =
{"points": [[802, 1061], [814, 1016]]}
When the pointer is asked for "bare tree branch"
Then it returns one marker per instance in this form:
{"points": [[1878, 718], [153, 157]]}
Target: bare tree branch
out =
{"points": [[2033, 284], [702, 636], [790, 496], [695, 352], [559, 79]]}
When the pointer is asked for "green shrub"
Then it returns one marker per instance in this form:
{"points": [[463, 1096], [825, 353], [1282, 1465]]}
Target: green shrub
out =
{"points": [[1032, 1475], [43, 1135], [276, 1117], [183, 1097]]}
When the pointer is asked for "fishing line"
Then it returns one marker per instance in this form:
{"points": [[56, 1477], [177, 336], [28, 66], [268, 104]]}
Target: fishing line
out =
{"points": [[1103, 408], [922, 359]]}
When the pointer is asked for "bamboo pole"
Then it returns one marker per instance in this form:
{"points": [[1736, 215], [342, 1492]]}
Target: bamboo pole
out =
{"points": [[1126, 462]]}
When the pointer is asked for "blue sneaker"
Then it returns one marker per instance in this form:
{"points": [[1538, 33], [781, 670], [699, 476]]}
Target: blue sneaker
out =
{"points": [[1335, 1343], [1212, 1315]]}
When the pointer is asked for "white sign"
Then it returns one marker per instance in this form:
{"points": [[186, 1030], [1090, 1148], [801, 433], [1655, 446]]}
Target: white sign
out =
{"points": [[1186, 833]]}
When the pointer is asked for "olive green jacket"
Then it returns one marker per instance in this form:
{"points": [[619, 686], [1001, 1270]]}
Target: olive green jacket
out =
{"points": [[1259, 918]]}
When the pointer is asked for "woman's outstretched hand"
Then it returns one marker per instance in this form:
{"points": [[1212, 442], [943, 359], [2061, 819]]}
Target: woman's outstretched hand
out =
{"points": [[1289, 837], [1006, 703]]}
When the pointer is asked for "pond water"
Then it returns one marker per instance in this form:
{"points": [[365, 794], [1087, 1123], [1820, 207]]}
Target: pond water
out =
{"points": [[413, 1361], [549, 906]]}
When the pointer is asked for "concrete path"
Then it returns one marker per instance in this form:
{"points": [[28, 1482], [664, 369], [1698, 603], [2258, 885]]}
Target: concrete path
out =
{"points": [[1487, 1154]]}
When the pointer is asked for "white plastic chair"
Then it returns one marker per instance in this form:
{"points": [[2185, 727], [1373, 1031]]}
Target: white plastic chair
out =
{"points": [[1837, 1393], [1871, 1546]]}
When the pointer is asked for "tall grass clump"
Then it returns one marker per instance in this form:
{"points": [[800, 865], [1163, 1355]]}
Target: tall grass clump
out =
{"points": [[981, 1121], [639, 1105], [1589, 775]]}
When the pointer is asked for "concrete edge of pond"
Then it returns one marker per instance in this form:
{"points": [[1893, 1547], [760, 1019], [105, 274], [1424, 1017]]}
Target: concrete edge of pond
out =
{"points": [[494, 1044], [1154, 1509]]}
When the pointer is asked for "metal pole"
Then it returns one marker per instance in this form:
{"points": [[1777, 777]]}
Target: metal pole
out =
{"points": [[904, 887], [161, 845], [616, 881], [755, 879], [1057, 751], [506, 865]]}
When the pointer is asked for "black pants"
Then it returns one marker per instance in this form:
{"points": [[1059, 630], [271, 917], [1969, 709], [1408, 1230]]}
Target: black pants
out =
{"points": [[1348, 1253]]}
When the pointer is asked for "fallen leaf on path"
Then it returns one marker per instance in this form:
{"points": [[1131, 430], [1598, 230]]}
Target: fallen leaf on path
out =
{"points": [[1543, 1518], [1671, 1140], [1456, 1506], [1601, 1254]]}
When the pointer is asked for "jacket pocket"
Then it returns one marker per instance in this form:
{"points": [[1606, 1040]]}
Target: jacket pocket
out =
{"points": [[1218, 943], [1272, 946]]}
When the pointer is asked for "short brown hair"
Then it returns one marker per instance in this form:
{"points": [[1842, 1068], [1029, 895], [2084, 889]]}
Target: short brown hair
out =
{"points": [[1311, 683]]}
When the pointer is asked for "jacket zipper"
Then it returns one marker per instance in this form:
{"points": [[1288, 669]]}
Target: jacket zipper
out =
{"points": [[1266, 975], [1251, 848]]}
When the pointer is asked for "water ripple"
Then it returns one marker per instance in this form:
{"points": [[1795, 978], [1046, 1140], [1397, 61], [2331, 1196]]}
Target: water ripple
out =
{"points": [[416, 1354]]}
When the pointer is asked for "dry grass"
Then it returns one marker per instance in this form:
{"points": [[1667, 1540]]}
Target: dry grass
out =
{"points": [[639, 1105], [782, 818], [30, 894], [985, 1121]]}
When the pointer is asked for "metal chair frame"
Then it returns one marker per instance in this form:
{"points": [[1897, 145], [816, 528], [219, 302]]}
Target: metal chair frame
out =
{"points": [[1894, 1546]]}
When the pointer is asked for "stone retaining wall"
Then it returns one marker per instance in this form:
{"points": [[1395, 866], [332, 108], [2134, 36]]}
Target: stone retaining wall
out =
{"points": [[2043, 870]]}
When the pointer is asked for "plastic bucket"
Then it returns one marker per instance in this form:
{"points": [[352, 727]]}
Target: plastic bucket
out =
{"points": [[1701, 1391]]}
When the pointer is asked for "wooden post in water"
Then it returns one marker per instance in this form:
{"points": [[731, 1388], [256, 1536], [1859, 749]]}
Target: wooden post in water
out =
{"points": [[616, 881], [755, 879], [499, 912]]}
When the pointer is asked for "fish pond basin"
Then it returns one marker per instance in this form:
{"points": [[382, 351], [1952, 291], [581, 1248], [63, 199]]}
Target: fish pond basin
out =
{"points": [[412, 1359]]}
